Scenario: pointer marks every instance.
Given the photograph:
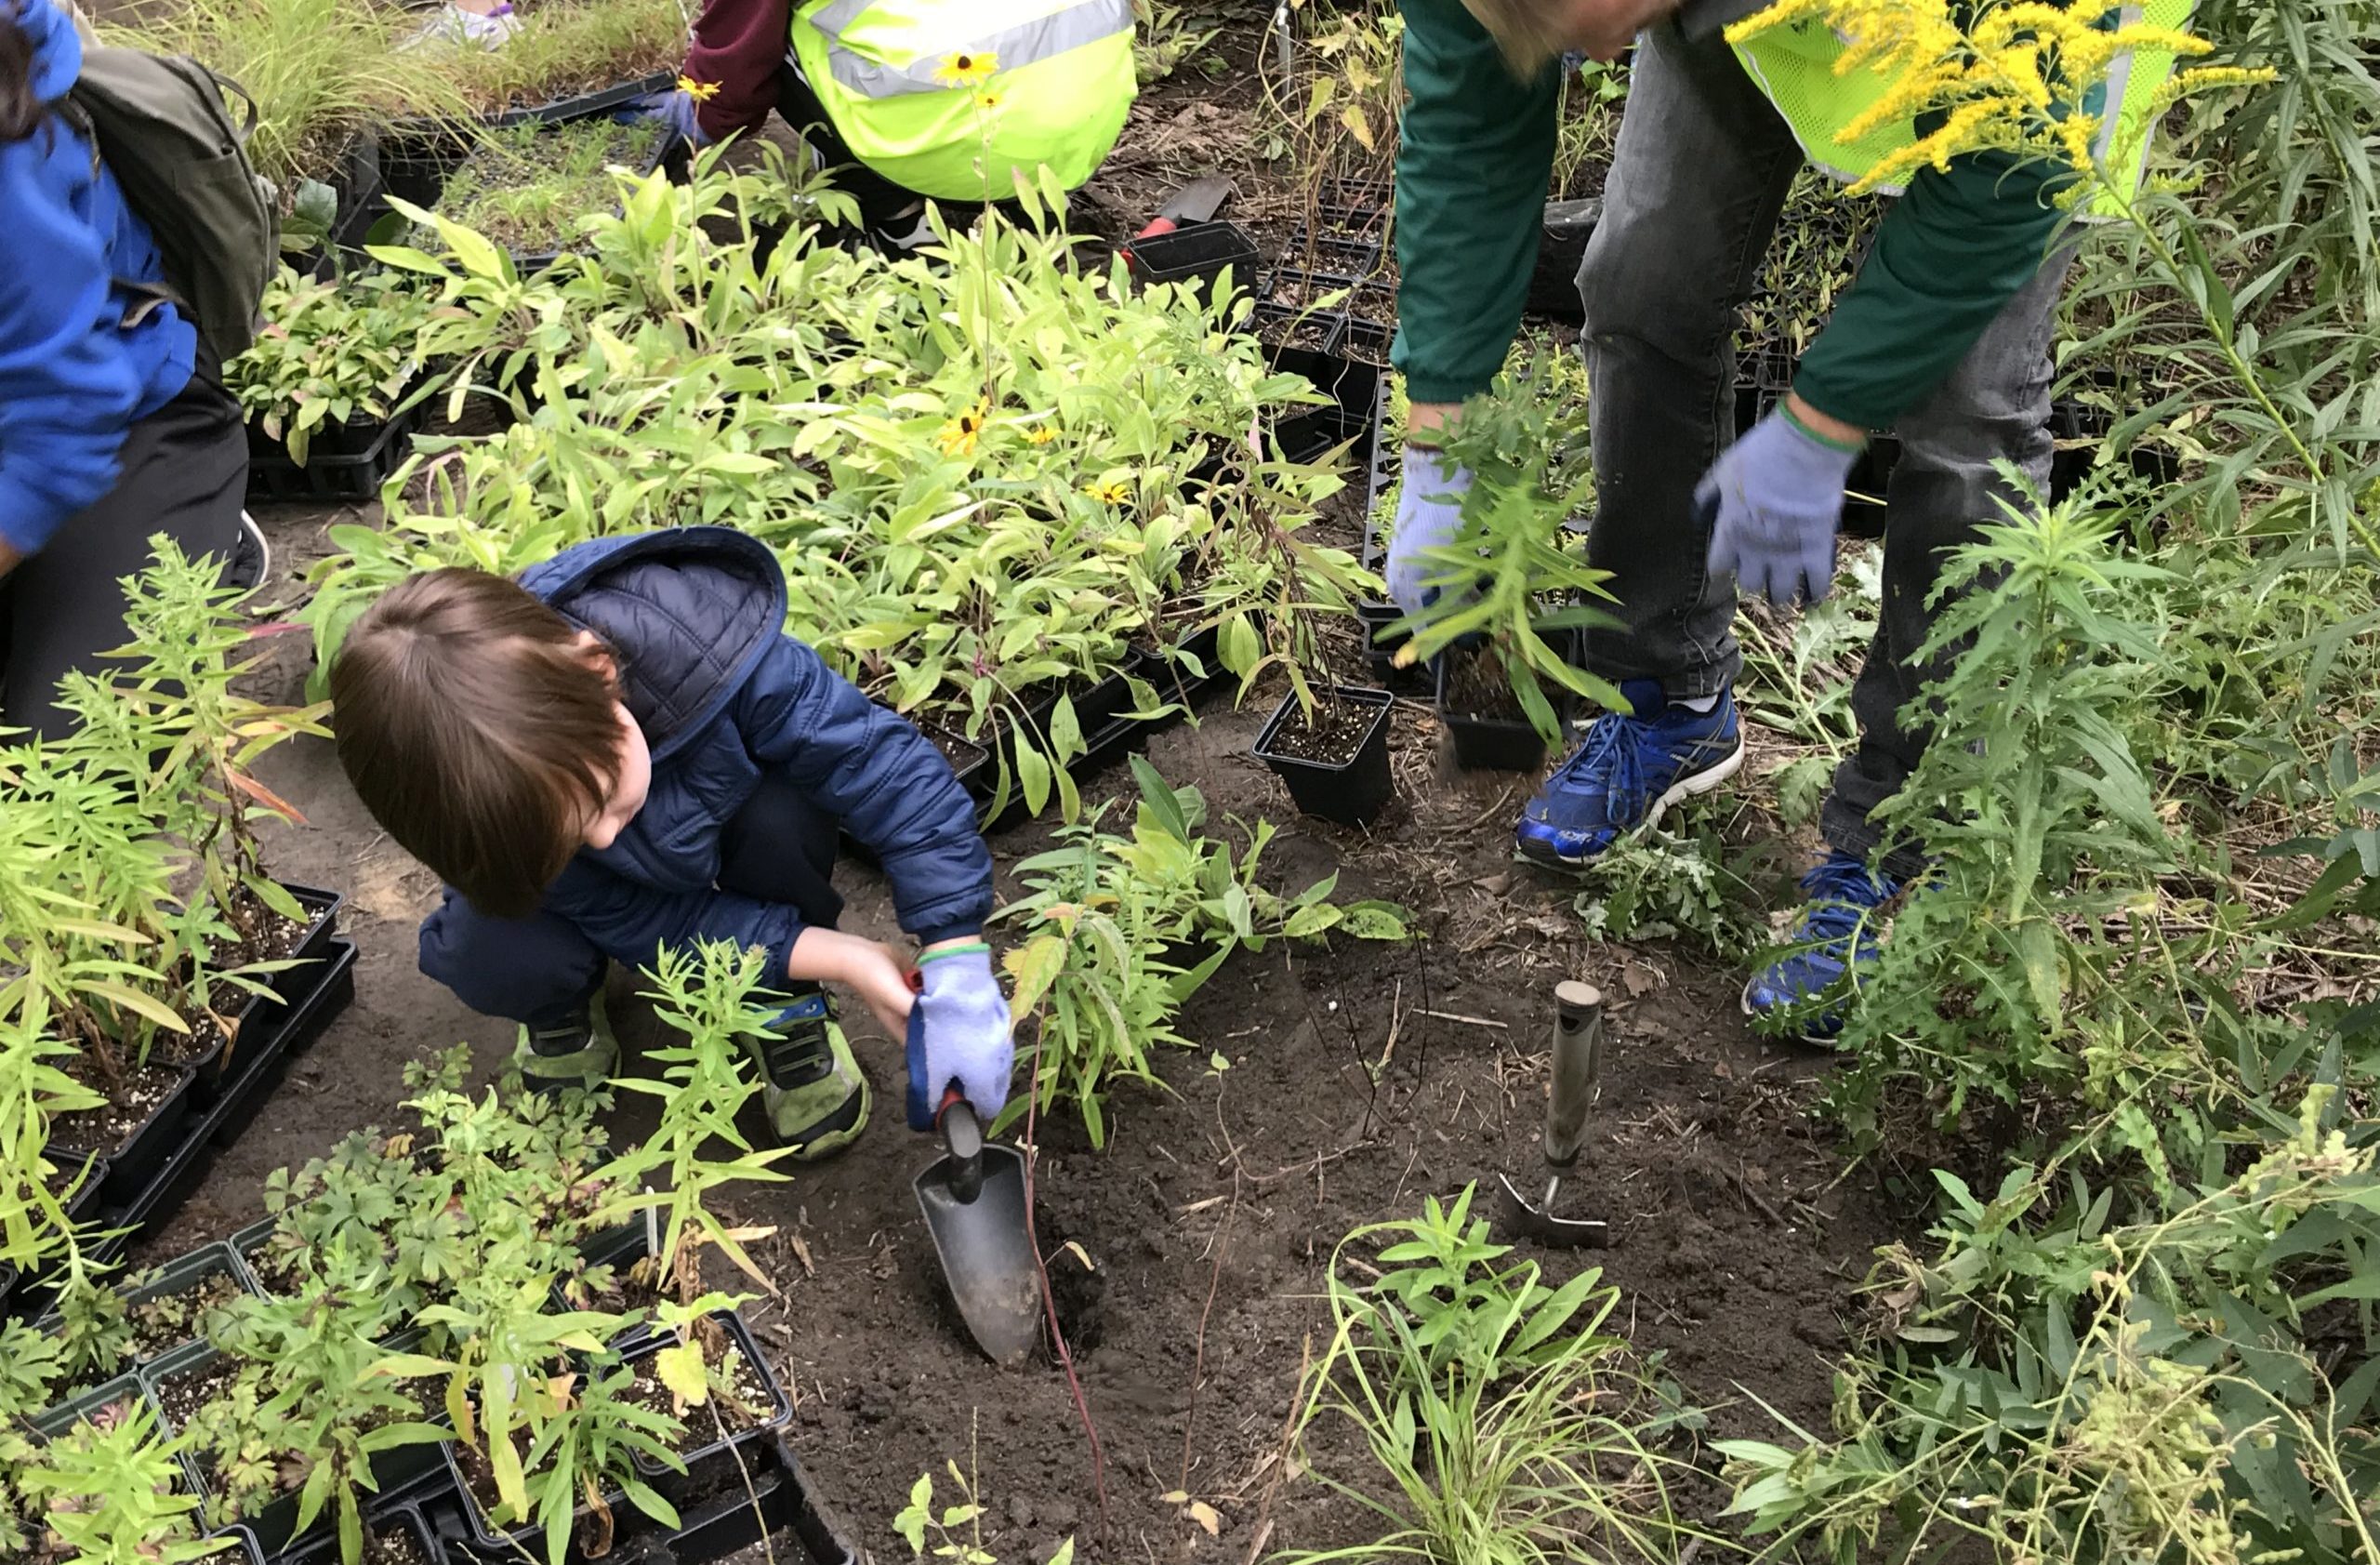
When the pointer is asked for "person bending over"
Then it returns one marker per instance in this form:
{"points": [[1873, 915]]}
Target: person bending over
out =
{"points": [[622, 751]]}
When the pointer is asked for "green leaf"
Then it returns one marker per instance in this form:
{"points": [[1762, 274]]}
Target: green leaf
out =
{"points": [[682, 1369]]}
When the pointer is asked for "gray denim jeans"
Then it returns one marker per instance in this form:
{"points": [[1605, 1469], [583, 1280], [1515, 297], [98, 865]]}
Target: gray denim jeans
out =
{"points": [[1702, 169]]}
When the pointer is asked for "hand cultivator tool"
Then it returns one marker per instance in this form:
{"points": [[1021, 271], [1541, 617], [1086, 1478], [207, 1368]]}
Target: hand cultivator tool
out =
{"points": [[1578, 1073], [973, 1199]]}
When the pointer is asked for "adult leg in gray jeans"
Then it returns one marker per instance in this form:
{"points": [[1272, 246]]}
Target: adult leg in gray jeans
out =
{"points": [[1702, 171]]}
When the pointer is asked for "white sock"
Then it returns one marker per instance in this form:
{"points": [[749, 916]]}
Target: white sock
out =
{"points": [[1699, 703]]}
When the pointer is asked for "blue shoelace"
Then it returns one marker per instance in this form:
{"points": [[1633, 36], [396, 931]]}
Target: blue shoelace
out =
{"points": [[1842, 896], [1611, 735]]}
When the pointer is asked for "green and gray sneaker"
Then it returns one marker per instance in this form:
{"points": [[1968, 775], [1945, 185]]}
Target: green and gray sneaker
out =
{"points": [[580, 1052], [816, 1097]]}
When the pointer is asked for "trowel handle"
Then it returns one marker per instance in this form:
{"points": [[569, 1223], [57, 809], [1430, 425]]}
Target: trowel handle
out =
{"points": [[1577, 1069], [962, 1136]]}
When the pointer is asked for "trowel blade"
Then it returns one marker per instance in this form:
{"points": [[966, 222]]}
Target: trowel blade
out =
{"points": [[986, 1253], [1519, 1218]]}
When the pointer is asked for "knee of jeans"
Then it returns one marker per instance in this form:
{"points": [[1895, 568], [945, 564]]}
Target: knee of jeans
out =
{"points": [[1627, 287], [1966, 432]]}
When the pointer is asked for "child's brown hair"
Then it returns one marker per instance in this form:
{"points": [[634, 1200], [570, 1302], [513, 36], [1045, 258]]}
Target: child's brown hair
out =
{"points": [[477, 730]]}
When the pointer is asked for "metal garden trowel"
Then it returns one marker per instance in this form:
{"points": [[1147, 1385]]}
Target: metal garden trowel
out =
{"points": [[973, 1199], [1578, 1073]]}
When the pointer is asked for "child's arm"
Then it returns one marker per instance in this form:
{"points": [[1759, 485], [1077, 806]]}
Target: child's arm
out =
{"points": [[893, 790], [739, 48]]}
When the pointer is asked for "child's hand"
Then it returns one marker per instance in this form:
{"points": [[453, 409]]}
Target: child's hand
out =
{"points": [[868, 969]]}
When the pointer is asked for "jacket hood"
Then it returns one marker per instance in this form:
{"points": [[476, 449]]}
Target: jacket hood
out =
{"points": [[688, 612], [57, 53]]}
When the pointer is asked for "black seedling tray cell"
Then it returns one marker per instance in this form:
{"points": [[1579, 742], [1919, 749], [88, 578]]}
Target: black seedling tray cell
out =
{"points": [[1197, 255], [722, 1463], [1367, 341], [243, 1091], [1351, 792], [1316, 332], [1328, 249], [385, 1518], [1355, 206], [173, 1277], [136, 1160], [272, 476]]}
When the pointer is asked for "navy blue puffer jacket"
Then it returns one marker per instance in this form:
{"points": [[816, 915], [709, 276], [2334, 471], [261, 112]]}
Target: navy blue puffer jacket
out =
{"points": [[695, 617]]}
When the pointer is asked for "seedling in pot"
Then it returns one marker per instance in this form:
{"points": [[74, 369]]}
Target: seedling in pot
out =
{"points": [[1512, 585], [331, 356], [109, 1489]]}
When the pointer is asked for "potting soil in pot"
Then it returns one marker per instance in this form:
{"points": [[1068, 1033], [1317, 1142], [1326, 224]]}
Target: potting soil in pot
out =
{"points": [[739, 1399], [138, 1092], [527, 188], [1477, 687], [171, 1320], [1331, 738]]}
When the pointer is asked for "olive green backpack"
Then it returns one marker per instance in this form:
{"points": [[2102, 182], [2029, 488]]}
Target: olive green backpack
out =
{"points": [[161, 125]]}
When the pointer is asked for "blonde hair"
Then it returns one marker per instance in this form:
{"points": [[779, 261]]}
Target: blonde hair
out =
{"points": [[1523, 30]]}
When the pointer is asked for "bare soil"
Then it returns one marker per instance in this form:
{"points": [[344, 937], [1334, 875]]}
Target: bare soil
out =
{"points": [[1358, 1079]]}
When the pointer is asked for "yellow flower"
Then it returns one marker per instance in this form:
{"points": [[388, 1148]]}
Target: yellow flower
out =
{"points": [[701, 92], [967, 68], [1114, 491], [957, 437], [2014, 80], [1042, 434], [988, 100]]}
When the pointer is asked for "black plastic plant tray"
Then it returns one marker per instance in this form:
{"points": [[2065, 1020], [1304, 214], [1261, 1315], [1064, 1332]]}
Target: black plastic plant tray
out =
{"points": [[1330, 250], [352, 438], [361, 200], [237, 1102], [1197, 255], [274, 477], [418, 161], [1315, 332], [588, 105], [173, 1277], [1380, 646]]}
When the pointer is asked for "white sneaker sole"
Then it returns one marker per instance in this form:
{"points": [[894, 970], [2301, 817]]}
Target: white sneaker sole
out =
{"points": [[1679, 792]]}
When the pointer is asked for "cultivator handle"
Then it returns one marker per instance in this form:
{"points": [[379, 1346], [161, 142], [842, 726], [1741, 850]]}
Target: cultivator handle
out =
{"points": [[1577, 1069]]}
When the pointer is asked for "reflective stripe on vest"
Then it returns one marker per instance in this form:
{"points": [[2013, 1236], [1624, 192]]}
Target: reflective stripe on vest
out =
{"points": [[1793, 70], [1027, 43]]}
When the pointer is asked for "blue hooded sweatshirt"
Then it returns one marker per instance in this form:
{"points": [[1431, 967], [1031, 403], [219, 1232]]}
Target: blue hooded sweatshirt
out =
{"points": [[73, 379], [695, 617]]}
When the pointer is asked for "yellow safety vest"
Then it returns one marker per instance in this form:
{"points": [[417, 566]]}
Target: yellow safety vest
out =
{"points": [[1794, 66], [954, 98]]}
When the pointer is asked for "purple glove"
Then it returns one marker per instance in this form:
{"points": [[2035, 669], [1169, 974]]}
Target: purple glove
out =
{"points": [[961, 1024], [1777, 498], [675, 110], [1429, 514]]}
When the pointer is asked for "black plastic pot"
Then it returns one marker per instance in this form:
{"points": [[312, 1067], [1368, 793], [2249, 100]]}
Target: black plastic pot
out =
{"points": [[1380, 646], [384, 1520], [1554, 286], [237, 1098], [1197, 255], [777, 1504], [1355, 206], [272, 476], [527, 1541], [1333, 250], [1351, 791], [1367, 341], [179, 1275], [720, 1464], [276, 1525], [1489, 744], [137, 1159]]}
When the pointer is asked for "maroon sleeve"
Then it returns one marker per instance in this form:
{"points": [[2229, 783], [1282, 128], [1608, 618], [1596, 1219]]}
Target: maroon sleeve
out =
{"points": [[740, 46]]}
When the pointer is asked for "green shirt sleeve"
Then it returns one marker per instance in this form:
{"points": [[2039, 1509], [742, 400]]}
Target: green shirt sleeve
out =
{"points": [[1472, 170], [1951, 252]]}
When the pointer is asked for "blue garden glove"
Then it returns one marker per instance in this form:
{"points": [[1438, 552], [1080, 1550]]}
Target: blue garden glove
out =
{"points": [[1777, 498], [676, 111], [959, 1035], [1429, 514]]}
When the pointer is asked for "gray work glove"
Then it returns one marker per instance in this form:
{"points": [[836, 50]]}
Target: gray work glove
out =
{"points": [[1429, 514]]}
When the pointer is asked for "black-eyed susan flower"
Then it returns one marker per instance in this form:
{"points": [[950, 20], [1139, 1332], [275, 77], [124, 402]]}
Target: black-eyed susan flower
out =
{"points": [[967, 68]]}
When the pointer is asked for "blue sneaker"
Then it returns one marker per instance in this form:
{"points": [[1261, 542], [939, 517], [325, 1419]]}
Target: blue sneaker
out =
{"points": [[1837, 930], [1627, 771]]}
